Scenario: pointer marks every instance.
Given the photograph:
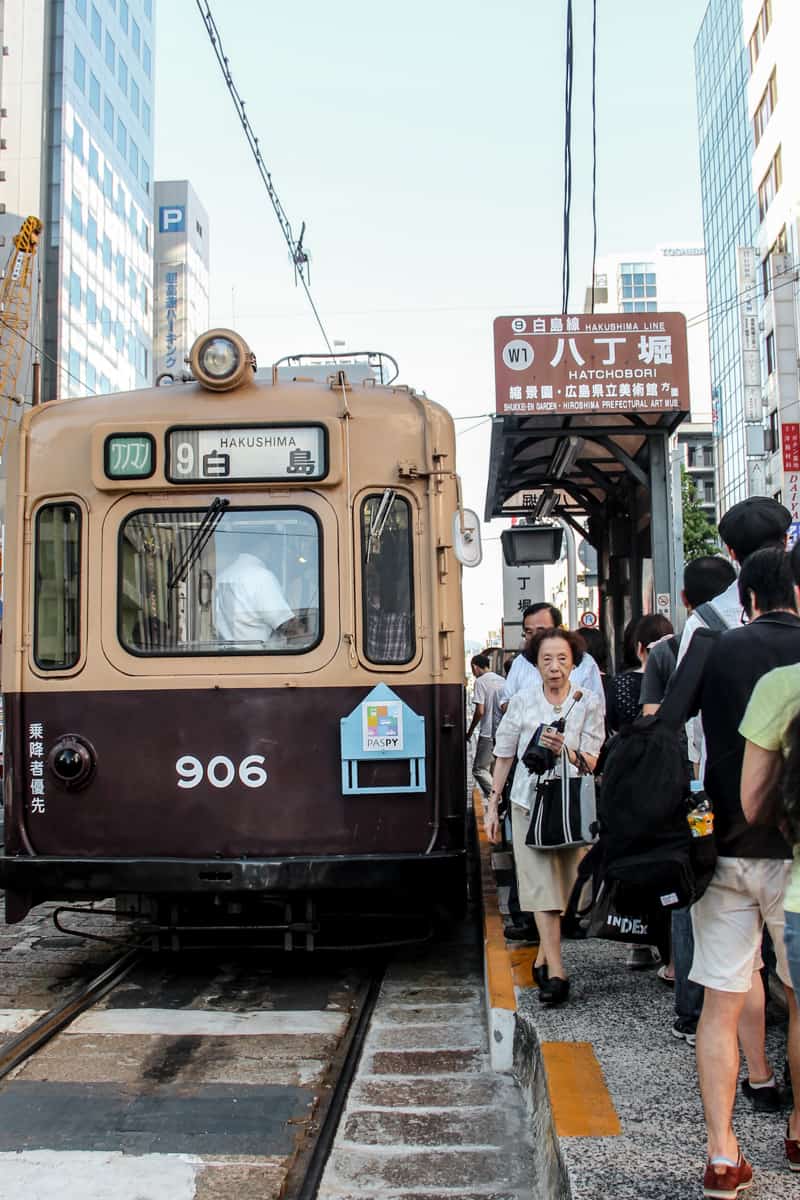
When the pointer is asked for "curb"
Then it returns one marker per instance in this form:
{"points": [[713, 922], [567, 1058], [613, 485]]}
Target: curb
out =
{"points": [[501, 1002]]}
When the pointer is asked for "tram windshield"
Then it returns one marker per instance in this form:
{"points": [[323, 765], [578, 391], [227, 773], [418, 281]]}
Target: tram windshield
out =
{"points": [[252, 587]]}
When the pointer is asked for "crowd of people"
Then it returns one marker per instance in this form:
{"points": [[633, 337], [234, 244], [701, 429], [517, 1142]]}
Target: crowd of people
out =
{"points": [[741, 740]]}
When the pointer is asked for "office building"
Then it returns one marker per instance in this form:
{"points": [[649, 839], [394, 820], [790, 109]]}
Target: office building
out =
{"points": [[180, 300], [77, 92], [671, 278], [771, 29], [730, 224]]}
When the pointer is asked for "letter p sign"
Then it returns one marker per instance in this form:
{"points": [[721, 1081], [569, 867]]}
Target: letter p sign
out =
{"points": [[171, 218]]}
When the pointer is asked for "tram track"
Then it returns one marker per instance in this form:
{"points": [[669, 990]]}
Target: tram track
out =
{"points": [[308, 1162], [187, 1054], [17, 1049]]}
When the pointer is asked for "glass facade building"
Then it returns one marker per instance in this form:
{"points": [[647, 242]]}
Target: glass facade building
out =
{"points": [[730, 220], [98, 268]]}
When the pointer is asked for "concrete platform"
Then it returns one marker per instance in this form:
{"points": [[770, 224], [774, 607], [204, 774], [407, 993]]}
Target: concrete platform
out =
{"points": [[612, 1095]]}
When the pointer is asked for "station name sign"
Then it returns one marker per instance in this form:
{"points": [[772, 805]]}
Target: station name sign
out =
{"points": [[247, 454], [603, 363]]}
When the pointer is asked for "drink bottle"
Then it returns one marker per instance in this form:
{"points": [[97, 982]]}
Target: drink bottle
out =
{"points": [[701, 814]]}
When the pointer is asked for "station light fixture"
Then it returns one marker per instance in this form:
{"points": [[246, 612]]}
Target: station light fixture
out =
{"points": [[221, 360], [566, 455], [545, 505]]}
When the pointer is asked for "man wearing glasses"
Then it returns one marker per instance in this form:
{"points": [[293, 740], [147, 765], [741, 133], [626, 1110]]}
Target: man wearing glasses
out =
{"points": [[524, 674]]}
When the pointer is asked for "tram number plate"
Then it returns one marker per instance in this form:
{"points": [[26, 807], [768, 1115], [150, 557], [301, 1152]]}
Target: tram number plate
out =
{"points": [[258, 453]]}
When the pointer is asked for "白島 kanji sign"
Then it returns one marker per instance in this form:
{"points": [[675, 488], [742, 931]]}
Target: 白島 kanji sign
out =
{"points": [[614, 362]]}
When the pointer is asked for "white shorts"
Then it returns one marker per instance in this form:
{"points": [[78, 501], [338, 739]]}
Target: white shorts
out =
{"points": [[728, 920]]}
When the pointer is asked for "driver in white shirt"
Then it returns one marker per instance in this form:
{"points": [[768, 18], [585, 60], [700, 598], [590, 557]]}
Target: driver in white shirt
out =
{"points": [[248, 600]]}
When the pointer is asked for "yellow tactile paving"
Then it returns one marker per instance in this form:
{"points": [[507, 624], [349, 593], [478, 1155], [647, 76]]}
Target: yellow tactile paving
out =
{"points": [[522, 960], [581, 1103], [499, 979]]}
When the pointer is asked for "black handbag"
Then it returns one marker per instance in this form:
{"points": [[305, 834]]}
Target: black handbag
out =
{"points": [[564, 811]]}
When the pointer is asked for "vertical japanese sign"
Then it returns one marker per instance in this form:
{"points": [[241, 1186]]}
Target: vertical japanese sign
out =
{"points": [[616, 362], [790, 450], [171, 336], [36, 767], [746, 268]]}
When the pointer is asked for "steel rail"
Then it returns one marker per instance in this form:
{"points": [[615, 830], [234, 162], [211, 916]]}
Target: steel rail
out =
{"points": [[45, 1027], [308, 1164]]}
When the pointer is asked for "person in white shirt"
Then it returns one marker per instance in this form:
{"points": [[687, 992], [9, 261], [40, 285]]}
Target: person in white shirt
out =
{"points": [[248, 602], [487, 684], [523, 674]]}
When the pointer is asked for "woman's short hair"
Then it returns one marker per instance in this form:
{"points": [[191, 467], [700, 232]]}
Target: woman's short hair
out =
{"points": [[574, 642], [651, 628]]}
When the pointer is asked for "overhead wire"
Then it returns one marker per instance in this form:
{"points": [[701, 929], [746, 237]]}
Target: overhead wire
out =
{"points": [[594, 146], [49, 357], [299, 255], [565, 264]]}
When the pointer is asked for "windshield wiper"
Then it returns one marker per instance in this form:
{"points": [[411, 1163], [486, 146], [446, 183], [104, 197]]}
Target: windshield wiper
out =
{"points": [[379, 519], [199, 541]]}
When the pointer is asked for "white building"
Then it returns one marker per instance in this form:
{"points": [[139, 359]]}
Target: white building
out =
{"points": [[772, 34], [77, 129], [180, 302]]}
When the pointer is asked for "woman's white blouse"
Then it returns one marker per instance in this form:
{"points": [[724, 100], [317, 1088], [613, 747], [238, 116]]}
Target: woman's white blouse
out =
{"points": [[584, 730]]}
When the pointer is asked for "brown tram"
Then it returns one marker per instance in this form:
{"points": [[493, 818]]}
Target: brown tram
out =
{"points": [[233, 651]]}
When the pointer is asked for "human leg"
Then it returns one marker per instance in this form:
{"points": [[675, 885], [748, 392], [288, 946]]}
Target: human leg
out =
{"points": [[718, 1068], [727, 923], [482, 765], [549, 926], [793, 1051], [688, 995], [752, 1031]]}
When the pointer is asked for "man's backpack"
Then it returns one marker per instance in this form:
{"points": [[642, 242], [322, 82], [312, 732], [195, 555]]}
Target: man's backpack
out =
{"points": [[645, 848]]}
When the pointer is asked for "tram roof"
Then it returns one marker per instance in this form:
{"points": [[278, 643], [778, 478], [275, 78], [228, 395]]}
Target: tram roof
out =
{"points": [[584, 461]]}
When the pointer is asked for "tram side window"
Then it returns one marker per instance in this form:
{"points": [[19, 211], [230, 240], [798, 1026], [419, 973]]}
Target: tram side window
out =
{"points": [[56, 636], [192, 582], [388, 580]]}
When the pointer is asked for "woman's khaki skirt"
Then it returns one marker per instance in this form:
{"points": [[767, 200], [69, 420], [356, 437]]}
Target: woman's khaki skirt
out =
{"points": [[545, 878]]}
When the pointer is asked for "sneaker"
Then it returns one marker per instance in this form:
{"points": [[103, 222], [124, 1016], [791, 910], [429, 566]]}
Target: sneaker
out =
{"points": [[726, 1185], [764, 1099], [686, 1029], [642, 958], [792, 1146]]}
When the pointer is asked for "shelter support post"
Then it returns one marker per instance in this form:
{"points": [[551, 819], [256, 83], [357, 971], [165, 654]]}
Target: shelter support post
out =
{"points": [[661, 534], [572, 574]]}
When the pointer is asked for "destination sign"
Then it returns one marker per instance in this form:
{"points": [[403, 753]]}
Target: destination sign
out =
{"points": [[249, 454]]}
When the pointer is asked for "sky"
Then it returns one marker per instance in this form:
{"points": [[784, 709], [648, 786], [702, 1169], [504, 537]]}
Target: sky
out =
{"points": [[422, 144]]}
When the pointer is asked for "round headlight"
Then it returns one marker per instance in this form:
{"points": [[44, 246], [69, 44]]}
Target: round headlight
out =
{"points": [[221, 360], [219, 357], [72, 761]]}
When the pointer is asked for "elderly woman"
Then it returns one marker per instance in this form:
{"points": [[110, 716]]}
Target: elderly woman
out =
{"points": [[545, 877]]}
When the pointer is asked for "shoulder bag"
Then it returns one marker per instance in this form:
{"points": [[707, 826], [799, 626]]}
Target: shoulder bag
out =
{"points": [[564, 810]]}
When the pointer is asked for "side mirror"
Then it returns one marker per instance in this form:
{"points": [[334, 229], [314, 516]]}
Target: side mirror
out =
{"points": [[467, 537]]}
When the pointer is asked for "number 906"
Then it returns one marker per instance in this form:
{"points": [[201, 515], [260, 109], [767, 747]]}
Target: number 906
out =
{"points": [[221, 771]]}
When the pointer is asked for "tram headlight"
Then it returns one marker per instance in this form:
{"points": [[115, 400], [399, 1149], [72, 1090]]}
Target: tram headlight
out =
{"points": [[220, 359], [72, 761]]}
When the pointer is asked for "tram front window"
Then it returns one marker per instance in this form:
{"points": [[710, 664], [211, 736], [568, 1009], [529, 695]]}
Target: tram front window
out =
{"points": [[252, 587]]}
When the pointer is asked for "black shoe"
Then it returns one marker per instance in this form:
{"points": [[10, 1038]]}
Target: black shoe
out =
{"points": [[521, 933], [764, 1099], [540, 976], [555, 991]]}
